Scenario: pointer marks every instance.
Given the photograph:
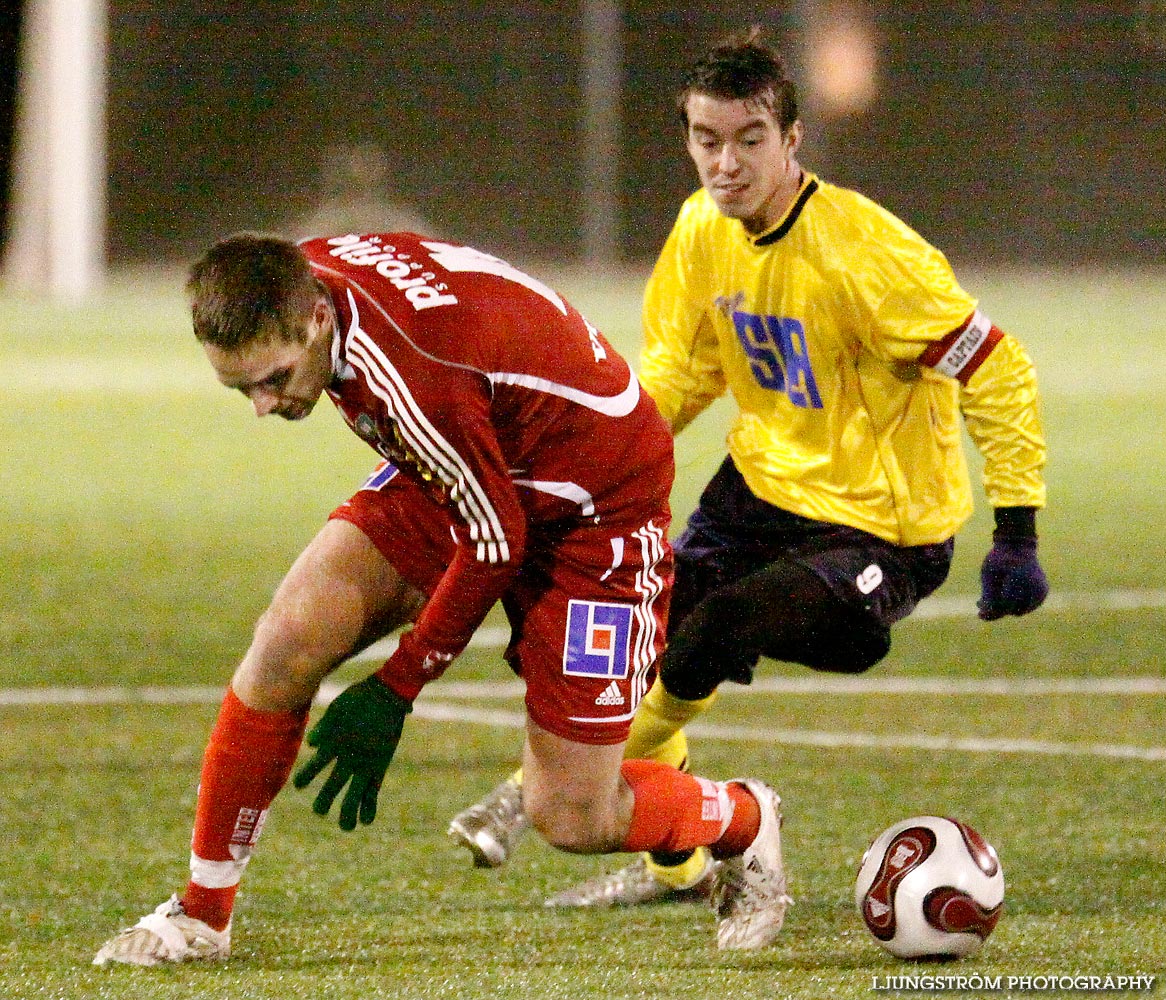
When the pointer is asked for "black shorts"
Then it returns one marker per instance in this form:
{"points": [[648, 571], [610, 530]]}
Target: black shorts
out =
{"points": [[732, 533]]}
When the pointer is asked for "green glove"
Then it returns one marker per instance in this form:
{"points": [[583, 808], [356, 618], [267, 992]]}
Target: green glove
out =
{"points": [[359, 731]]}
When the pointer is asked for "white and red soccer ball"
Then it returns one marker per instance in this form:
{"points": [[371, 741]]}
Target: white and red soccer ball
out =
{"points": [[930, 887]]}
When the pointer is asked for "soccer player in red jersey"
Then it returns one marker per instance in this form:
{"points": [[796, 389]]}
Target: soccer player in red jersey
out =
{"points": [[528, 467]]}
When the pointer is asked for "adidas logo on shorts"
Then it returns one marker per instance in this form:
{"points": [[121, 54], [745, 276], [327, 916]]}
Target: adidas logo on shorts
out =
{"points": [[611, 695]]}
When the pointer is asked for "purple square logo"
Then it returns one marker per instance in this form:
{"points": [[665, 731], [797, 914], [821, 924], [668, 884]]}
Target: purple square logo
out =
{"points": [[598, 639]]}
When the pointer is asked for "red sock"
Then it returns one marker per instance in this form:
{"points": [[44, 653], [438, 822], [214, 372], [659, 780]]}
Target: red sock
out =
{"points": [[247, 761], [676, 812], [743, 827]]}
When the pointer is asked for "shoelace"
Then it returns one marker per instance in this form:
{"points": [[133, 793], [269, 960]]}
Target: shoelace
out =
{"points": [[749, 890], [505, 809]]}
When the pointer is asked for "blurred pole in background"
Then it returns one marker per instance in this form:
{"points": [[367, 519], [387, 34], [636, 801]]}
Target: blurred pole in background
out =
{"points": [[56, 236], [9, 47], [602, 140]]}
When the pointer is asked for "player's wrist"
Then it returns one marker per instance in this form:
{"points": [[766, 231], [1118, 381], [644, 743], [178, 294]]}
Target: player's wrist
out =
{"points": [[386, 694], [396, 682], [413, 665], [1015, 523]]}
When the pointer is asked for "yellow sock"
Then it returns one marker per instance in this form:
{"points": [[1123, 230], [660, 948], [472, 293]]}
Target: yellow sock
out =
{"points": [[684, 875], [657, 730], [673, 751], [516, 777], [658, 734]]}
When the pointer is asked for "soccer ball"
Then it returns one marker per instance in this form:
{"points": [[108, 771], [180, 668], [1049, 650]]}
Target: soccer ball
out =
{"points": [[930, 887]]}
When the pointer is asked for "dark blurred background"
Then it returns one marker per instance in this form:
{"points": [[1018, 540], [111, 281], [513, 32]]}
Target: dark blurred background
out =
{"points": [[1005, 132]]}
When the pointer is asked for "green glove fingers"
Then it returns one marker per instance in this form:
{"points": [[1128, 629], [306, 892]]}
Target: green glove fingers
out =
{"points": [[307, 772], [350, 804], [359, 731], [368, 802], [333, 784]]}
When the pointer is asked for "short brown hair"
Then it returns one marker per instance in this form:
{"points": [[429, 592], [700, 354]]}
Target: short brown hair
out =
{"points": [[742, 68], [248, 287]]}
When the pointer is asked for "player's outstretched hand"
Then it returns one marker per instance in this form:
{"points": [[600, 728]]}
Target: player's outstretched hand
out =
{"points": [[1011, 579], [359, 731]]}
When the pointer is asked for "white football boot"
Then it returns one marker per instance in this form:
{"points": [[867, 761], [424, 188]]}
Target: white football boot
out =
{"points": [[492, 827], [635, 885], [166, 936], [749, 895]]}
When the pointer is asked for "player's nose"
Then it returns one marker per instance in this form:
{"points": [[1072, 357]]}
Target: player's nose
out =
{"points": [[727, 161], [263, 402]]}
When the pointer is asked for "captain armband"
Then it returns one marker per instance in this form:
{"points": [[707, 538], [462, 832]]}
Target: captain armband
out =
{"points": [[962, 351]]}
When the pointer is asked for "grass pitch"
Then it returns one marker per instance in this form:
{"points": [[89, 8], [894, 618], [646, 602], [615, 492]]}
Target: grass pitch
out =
{"points": [[148, 517]]}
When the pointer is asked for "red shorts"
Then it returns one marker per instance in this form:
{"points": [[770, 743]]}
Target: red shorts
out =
{"points": [[587, 612]]}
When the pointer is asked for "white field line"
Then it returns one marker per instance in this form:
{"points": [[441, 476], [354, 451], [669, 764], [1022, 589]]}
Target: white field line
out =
{"points": [[1058, 600], [811, 685], [447, 712], [921, 741], [930, 609], [430, 707]]}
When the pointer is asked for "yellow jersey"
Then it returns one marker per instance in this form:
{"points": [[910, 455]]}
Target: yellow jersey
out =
{"points": [[851, 352]]}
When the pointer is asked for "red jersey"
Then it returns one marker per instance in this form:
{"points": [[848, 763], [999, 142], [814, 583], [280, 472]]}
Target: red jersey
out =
{"points": [[485, 384]]}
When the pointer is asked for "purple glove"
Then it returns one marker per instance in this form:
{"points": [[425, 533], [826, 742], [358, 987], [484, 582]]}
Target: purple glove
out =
{"points": [[1011, 579]]}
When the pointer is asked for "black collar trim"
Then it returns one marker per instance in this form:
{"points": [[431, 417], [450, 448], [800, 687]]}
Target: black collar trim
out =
{"points": [[770, 238]]}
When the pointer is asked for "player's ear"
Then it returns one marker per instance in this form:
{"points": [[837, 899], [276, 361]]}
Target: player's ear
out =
{"points": [[793, 137], [321, 318]]}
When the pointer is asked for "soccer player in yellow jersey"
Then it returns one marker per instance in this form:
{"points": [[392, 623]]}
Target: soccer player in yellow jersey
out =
{"points": [[852, 353]]}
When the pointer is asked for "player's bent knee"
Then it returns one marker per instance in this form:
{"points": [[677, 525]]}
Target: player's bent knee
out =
{"points": [[873, 651], [287, 660], [853, 652]]}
